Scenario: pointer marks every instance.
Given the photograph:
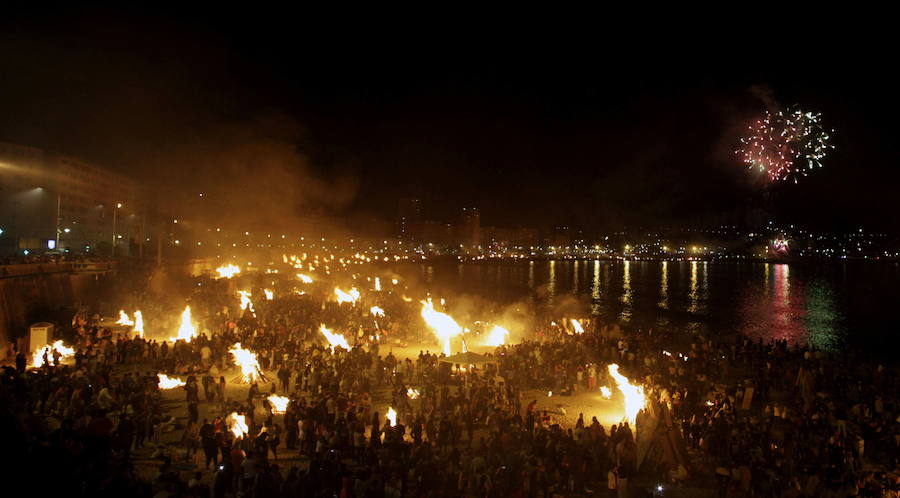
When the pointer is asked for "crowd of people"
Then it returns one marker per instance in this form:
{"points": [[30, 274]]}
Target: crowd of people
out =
{"points": [[745, 417]]}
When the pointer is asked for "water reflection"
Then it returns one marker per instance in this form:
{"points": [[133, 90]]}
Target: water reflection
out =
{"points": [[764, 301], [575, 276], [664, 286], [551, 285], [626, 297], [531, 275], [693, 306]]}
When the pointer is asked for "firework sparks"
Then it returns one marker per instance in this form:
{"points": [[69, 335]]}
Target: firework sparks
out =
{"points": [[780, 246], [786, 145]]}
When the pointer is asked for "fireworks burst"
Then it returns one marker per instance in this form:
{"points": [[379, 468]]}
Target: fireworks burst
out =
{"points": [[786, 144]]}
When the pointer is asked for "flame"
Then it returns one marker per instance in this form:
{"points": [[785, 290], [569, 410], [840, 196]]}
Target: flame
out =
{"points": [[123, 319], [186, 331], [634, 395], [443, 325], [606, 392], [279, 404], [406, 299], [497, 336], [37, 358], [227, 271], [394, 281], [237, 424], [377, 284], [412, 393], [246, 303], [246, 359], [269, 294], [139, 323], [376, 311], [346, 297], [306, 279], [392, 416], [166, 382], [334, 340], [577, 326]]}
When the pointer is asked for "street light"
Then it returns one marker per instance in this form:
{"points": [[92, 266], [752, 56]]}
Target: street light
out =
{"points": [[116, 210]]}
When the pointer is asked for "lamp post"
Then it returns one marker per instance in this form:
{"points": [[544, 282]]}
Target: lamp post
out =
{"points": [[115, 211], [58, 199]]}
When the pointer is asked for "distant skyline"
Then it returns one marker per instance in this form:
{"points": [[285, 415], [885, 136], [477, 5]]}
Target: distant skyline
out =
{"points": [[586, 132]]}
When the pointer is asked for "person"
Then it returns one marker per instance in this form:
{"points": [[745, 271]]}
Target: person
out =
{"points": [[191, 439], [20, 362], [209, 443]]}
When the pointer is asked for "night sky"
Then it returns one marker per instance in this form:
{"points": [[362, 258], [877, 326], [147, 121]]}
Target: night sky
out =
{"points": [[597, 129]]}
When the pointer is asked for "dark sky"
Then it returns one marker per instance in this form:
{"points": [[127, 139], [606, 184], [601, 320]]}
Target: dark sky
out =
{"points": [[536, 127]]}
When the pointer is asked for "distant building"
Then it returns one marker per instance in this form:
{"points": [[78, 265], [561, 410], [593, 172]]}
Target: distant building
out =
{"points": [[469, 229], [48, 199], [409, 216], [437, 233]]}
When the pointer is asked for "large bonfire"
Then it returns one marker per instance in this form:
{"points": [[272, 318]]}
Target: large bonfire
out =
{"points": [[246, 360], [442, 324], [186, 330], [634, 395]]}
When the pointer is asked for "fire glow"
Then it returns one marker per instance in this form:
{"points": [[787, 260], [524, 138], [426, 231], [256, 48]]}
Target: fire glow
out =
{"points": [[166, 382], [334, 340], [576, 325], [497, 336], [123, 319], [238, 425], [346, 297], [139, 323], [227, 271], [442, 324], [37, 359], [247, 361], [634, 395], [376, 311], [392, 416], [186, 331], [279, 404], [246, 303], [306, 279]]}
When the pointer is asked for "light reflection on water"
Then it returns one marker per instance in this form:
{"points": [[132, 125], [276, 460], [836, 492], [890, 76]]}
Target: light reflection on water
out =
{"points": [[825, 305]]}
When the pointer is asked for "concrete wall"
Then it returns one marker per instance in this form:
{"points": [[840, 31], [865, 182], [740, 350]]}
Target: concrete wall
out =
{"points": [[30, 296]]}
